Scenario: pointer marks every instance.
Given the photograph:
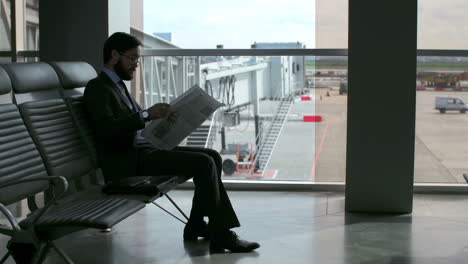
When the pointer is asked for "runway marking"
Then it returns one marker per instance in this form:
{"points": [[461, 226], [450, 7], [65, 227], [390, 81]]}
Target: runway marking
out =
{"points": [[317, 155], [268, 174]]}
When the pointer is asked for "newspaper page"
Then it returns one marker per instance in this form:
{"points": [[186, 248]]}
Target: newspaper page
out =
{"points": [[193, 107]]}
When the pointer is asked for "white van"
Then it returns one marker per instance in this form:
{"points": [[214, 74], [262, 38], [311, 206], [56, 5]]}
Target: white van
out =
{"points": [[445, 103]]}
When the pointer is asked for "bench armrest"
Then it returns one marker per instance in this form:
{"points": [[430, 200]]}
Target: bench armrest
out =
{"points": [[51, 179], [9, 215]]}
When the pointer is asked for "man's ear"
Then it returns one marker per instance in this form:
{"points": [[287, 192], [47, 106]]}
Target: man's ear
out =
{"points": [[115, 56]]}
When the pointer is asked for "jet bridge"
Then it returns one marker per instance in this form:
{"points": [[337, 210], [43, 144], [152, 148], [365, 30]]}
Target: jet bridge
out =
{"points": [[238, 82]]}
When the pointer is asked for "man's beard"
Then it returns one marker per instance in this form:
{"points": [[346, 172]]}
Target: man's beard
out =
{"points": [[122, 73]]}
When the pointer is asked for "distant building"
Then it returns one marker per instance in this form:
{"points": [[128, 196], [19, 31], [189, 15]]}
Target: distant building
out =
{"points": [[164, 35], [30, 10], [279, 45], [152, 41]]}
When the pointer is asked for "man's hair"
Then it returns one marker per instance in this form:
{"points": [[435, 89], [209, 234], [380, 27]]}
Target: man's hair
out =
{"points": [[121, 42]]}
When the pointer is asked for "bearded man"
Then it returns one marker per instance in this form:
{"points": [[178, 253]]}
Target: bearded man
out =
{"points": [[123, 152]]}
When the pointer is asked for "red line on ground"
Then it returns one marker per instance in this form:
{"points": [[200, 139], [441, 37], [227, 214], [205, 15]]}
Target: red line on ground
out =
{"points": [[312, 118], [317, 155]]}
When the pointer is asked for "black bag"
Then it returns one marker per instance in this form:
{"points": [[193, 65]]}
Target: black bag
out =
{"points": [[140, 185]]}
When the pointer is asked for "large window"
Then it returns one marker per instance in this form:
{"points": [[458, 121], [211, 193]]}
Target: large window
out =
{"points": [[25, 36], [285, 114], [442, 92], [442, 24], [31, 25], [441, 119], [316, 150], [284, 119], [5, 24]]}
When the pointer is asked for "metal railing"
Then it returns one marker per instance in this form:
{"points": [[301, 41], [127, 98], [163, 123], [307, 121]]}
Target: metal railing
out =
{"points": [[264, 133], [214, 127]]}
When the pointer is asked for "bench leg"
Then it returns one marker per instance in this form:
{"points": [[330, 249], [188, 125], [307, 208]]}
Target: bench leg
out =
{"points": [[171, 214], [7, 255], [176, 206], [41, 254], [44, 249], [61, 253]]}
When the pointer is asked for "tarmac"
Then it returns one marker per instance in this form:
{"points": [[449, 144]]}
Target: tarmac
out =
{"points": [[316, 151]]}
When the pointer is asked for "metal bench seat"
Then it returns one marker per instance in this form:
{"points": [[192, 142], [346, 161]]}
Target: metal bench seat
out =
{"points": [[88, 213], [163, 184]]}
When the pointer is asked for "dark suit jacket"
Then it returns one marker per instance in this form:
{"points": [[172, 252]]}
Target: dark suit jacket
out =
{"points": [[116, 125]]}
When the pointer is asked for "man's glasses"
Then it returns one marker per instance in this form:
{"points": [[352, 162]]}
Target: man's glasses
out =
{"points": [[134, 59]]}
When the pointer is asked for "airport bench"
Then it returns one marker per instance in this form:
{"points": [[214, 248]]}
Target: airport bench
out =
{"points": [[42, 150], [23, 175], [73, 77]]}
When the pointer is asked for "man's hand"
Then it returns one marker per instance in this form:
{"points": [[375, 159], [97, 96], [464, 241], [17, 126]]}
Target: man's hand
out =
{"points": [[172, 118], [158, 111]]}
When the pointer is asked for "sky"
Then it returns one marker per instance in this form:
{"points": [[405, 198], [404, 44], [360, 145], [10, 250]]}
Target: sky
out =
{"points": [[234, 24], [442, 24]]}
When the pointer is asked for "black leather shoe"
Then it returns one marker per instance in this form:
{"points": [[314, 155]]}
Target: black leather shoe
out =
{"points": [[193, 231], [230, 241]]}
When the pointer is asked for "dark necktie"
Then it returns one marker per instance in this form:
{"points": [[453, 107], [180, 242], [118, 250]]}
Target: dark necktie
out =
{"points": [[132, 105], [126, 96]]}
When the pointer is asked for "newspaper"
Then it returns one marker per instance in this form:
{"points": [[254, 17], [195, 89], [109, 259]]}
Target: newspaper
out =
{"points": [[193, 107]]}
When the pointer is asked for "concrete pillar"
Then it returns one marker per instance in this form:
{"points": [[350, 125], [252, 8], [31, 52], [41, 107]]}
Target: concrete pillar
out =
{"points": [[76, 30], [381, 105]]}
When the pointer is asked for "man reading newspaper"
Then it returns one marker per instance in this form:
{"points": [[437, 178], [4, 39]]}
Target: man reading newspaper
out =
{"points": [[188, 112], [123, 152]]}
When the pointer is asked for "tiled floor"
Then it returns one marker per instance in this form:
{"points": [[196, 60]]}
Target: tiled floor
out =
{"points": [[292, 228]]}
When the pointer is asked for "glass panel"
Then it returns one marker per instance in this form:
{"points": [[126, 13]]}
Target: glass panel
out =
{"points": [[31, 33], [332, 24], [442, 24], [4, 60], [5, 24], [441, 121], [284, 119], [233, 24], [331, 93], [28, 59]]}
